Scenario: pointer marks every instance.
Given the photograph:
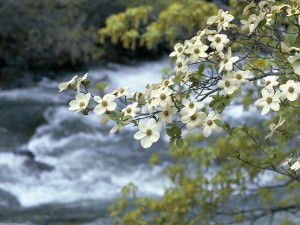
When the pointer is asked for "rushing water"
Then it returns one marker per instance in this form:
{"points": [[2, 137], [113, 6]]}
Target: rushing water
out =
{"points": [[57, 167]]}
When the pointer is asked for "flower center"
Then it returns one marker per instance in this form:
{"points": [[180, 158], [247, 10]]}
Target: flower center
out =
{"points": [[162, 96], [179, 64], [238, 76], [140, 94], [149, 100], [291, 89], [269, 100], [293, 11], [128, 110], [193, 117], [209, 122], [166, 82], [104, 103], [218, 39], [227, 83], [268, 82], [148, 132], [180, 49], [222, 19], [226, 60], [191, 105], [166, 113], [196, 50], [81, 104]]}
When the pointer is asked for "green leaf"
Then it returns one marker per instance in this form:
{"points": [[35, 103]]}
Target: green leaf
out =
{"points": [[218, 123], [201, 68], [102, 86], [179, 143]]}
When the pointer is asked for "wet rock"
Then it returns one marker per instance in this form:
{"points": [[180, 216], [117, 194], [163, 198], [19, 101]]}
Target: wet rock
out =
{"points": [[8, 200], [36, 166]]}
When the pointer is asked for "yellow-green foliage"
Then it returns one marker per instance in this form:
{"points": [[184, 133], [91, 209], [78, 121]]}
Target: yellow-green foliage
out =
{"points": [[147, 25]]}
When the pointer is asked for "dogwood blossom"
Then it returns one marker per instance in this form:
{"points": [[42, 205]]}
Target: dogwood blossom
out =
{"points": [[181, 65], [179, 49], [79, 81], [65, 85], [196, 51], [228, 61], [166, 115], [222, 20], [148, 132], [80, 103], [273, 127], [271, 81], [296, 165], [195, 120], [209, 124], [190, 106], [270, 100], [228, 84], [250, 24], [131, 110], [105, 104], [290, 90], [218, 41], [162, 98], [240, 76], [122, 91]]}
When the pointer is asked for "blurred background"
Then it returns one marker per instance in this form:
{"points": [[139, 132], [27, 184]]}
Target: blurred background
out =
{"points": [[58, 168]]}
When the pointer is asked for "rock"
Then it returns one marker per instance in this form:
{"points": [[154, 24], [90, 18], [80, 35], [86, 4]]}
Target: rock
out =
{"points": [[8, 200]]}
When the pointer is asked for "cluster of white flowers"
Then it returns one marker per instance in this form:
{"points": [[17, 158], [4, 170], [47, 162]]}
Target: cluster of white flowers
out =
{"points": [[271, 99], [179, 99]]}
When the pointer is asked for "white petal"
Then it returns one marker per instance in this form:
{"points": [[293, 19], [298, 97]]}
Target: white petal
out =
{"points": [[206, 131], [155, 136], [265, 110], [146, 142], [139, 135]]}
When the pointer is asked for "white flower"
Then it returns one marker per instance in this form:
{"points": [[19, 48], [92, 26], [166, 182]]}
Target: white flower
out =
{"points": [[293, 11], [195, 120], [228, 61], [222, 20], [149, 105], [228, 84], [131, 110], [196, 51], [121, 91], [167, 83], [179, 49], [271, 81], [296, 165], [286, 161], [105, 104], [190, 107], [117, 127], [79, 80], [162, 98], [250, 24], [290, 90], [240, 76], [264, 6], [166, 115], [65, 85], [273, 127], [269, 100], [218, 41], [80, 103], [209, 125], [148, 132], [181, 65]]}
